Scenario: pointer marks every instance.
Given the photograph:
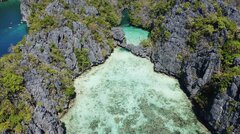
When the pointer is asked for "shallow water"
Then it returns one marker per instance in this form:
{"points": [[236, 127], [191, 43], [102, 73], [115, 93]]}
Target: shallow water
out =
{"points": [[12, 29], [125, 95], [134, 35]]}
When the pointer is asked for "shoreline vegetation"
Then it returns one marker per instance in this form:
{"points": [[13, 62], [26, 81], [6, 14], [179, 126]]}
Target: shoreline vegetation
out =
{"points": [[47, 64]]}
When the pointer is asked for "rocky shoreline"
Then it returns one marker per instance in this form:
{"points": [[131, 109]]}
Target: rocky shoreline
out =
{"points": [[217, 116], [45, 116], [52, 53], [163, 55]]}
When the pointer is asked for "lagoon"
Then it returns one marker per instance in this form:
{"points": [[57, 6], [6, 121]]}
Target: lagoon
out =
{"points": [[125, 96]]}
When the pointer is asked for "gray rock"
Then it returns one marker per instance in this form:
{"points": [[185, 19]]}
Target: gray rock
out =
{"points": [[197, 68], [230, 11], [118, 34], [138, 50], [47, 89], [46, 121], [234, 91], [90, 10], [236, 61], [54, 8], [195, 71], [217, 109], [225, 110]]}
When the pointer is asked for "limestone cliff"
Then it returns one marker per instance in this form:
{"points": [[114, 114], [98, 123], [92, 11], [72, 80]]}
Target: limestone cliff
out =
{"points": [[67, 37], [63, 41], [196, 66]]}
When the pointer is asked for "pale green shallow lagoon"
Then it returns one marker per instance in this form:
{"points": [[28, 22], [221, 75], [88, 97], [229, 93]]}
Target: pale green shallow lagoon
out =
{"points": [[134, 35], [125, 96]]}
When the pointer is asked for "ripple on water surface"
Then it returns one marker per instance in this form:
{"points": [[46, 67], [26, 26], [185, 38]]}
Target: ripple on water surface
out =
{"points": [[125, 95]]}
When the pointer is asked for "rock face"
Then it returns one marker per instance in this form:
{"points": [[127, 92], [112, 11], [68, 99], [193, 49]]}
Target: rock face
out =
{"points": [[45, 116], [45, 87], [231, 12], [236, 61], [25, 10], [118, 34], [195, 69], [194, 72], [226, 109], [138, 50], [198, 68], [165, 53]]}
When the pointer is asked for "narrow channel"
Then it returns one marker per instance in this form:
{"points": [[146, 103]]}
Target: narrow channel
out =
{"points": [[125, 96]]}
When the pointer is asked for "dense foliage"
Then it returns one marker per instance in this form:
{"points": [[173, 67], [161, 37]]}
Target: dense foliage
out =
{"points": [[229, 51], [13, 94], [106, 11], [147, 43], [39, 20], [82, 58], [206, 26], [15, 101]]}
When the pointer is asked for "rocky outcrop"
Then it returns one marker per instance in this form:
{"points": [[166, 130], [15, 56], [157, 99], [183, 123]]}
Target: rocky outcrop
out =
{"points": [[51, 58], [165, 53], [236, 62], [45, 117], [224, 113], [44, 120], [199, 69], [230, 11], [140, 51], [171, 56], [118, 34], [195, 68], [25, 9]]}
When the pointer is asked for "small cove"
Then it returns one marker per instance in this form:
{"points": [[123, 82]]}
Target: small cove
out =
{"points": [[12, 28], [125, 95]]}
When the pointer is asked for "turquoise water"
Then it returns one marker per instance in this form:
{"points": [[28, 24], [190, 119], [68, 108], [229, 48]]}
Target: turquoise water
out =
{"points": [[134, 35], [12, 29], [125, 96]]}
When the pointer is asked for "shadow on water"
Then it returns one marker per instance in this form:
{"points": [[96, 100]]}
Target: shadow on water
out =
{"points": [[125, 18]]}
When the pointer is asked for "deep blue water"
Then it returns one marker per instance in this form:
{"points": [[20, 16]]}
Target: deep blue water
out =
{"points": [[12, 29]]}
